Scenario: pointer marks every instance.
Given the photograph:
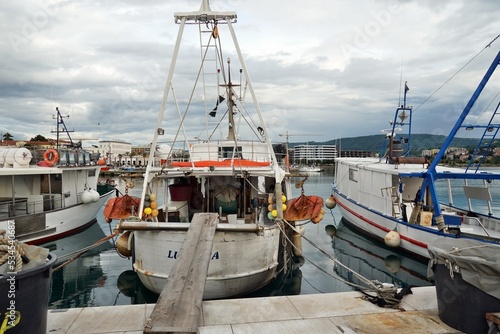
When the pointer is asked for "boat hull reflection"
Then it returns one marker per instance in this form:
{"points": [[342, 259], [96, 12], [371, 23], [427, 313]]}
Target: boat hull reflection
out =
{"points": [[373, 260]]}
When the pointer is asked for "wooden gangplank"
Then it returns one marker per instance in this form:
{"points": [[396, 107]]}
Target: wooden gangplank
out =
{"points": [[178, 308]]}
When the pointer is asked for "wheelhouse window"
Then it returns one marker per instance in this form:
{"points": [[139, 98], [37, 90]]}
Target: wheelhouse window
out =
{"points": [[227, 152]]}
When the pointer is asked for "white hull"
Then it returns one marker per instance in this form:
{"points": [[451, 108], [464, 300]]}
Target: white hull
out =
{"points": [[67, 221], [377, 226], [241, 262]]}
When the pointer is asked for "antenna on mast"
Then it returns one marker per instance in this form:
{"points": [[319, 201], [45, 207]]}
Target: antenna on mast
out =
{"points": [[60, 120]]}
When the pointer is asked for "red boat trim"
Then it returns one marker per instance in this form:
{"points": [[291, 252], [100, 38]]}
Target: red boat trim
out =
{"points": [[380, 227]]}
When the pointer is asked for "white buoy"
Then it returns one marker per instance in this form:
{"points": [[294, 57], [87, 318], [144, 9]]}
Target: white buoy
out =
{"points": [[330, 202], [95, 195], [87, 196], [392, 239]]}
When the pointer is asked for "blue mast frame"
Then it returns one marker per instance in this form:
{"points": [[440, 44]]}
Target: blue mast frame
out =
{"points": [[431, 174]]}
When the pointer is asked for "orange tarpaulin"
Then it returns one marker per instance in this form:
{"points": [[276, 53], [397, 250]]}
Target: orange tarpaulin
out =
{"points": [[223, 163], [305, 208], [121, 207]]}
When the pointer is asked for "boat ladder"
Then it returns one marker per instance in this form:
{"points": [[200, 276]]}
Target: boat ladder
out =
{"points": [[393, 193], [483, 148]]}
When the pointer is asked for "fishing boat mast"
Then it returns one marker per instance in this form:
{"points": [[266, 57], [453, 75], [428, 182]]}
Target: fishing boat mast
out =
{"points": [[60, 121], [230, 103], [403, 112]]}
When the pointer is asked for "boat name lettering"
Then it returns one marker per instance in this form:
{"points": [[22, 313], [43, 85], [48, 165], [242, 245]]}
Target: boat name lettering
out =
{"points": [[173, 255]]}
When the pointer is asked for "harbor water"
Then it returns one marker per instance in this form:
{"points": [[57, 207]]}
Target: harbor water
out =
{"points": [[101, 277]]}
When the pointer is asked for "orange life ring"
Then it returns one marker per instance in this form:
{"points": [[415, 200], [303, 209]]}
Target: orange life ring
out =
{"points": [[51, 156]]}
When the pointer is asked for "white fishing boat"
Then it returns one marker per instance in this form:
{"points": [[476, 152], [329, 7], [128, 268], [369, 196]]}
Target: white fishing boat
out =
{"points": [[226, 165], [50, 194], [395, 197], [309, 169]]}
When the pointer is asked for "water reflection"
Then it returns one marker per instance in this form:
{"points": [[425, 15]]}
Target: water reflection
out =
{"points": [[374, 260], [68, 247], [72, 285], [129, 285], [286, 284]]}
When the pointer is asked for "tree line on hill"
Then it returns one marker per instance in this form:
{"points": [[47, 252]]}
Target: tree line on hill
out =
{"points": [[419, 142]]}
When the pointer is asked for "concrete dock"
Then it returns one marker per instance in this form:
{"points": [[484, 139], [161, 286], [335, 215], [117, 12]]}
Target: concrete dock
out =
{"points": [[342, 312]]}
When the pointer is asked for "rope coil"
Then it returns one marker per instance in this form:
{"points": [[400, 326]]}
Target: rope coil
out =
{"points": [[9, 249]]}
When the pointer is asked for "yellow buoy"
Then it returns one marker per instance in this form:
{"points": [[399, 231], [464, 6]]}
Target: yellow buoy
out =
{"points": [[147, 210], [271, 199], [392, 239], [283, 199], [318, 218], [122, 244], [274, 213], [283, 207]]}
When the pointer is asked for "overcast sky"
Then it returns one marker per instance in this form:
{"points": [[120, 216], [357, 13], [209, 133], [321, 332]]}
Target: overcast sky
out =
{"points": [[330, 68]]}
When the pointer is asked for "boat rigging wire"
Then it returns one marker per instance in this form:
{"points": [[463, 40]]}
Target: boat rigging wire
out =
{"points": [[459, 70]]}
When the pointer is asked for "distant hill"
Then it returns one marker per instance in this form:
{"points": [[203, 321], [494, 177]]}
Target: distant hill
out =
{"points": [[374, 143]]}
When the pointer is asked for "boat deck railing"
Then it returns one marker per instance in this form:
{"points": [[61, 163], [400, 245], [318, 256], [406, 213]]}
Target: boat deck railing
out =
{"points": [[66, 157], [21, 206]]}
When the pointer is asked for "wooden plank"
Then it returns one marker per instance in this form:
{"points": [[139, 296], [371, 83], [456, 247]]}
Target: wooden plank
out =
{"points": [[178, 308]]}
